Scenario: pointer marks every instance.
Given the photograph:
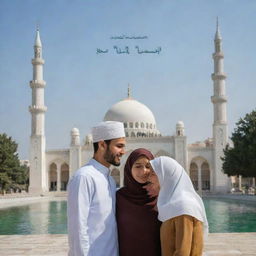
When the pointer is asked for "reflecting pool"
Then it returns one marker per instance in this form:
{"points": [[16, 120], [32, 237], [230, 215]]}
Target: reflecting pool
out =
{"points": [[227, 215], [50, 217]]}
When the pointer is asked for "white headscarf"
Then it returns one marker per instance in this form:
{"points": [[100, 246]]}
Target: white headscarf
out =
{"points": [[177, 195]]}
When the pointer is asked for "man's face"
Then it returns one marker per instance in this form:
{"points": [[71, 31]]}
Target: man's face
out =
{"points": [[115, 151]]}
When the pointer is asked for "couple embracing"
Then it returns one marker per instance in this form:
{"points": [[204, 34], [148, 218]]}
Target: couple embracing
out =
{"points": [[157, 212]]}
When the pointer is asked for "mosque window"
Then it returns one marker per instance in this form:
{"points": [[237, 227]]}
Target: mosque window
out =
{"points": [[53, 177], [132, 134], [151, 126], [142, 125], [125, 125], [131, 125], [126, 134], [136, 125], [147, 125], [38, 52], [218, 48]]}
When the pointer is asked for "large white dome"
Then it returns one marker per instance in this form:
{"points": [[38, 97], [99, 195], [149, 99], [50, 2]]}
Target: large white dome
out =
{"points": [[130, 110], [137, 118]]}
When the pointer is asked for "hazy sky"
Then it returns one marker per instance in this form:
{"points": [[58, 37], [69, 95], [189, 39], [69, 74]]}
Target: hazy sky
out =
{"points": [[82, 85]]}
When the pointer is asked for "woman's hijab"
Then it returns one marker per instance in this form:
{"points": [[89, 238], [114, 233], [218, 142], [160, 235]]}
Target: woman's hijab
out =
{"points": [[177, 195], [133, 190], [138, 226]]}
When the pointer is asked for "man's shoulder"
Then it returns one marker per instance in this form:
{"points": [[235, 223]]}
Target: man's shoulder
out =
{"points": [[87, 170], [84, 174]]}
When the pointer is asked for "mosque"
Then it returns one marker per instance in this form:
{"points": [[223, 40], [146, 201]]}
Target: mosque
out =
{"points": [[50, 170]]}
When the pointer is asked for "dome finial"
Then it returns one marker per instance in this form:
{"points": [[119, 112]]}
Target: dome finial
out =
{"points": [[129, 91]]}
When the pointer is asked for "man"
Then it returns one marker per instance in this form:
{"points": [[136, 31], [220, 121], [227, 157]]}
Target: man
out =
{"points": [[92, 227]]}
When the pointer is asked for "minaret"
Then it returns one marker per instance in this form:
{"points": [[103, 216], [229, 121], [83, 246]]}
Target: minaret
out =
{"points": [[220, 128], [37, 177]]}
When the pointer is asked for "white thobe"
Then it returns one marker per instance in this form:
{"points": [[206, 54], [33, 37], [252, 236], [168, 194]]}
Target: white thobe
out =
{"points": [[92, 227]]}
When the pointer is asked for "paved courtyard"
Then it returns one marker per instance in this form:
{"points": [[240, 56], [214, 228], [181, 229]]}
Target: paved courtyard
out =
{"points": [[218, 244]]}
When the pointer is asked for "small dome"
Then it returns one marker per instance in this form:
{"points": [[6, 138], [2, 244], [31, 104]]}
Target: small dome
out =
{"points": [[74, 131], [180, 124]]}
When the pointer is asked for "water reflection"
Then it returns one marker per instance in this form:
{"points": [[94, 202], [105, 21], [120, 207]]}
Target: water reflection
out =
{"points": [[230, 216], [50, 217], [38, 215], [36, 218]]}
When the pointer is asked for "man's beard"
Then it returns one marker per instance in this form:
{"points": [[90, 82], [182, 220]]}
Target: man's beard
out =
{"points": [[110, 158]]}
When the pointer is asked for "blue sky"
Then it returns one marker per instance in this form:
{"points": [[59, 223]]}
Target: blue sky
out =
{"points": [[82, 85]]}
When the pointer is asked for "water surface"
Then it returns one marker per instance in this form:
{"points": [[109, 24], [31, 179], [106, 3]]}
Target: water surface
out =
{"points": [[50, 217]]}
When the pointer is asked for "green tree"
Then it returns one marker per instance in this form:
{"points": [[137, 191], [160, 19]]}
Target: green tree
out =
{"points": [[12, 173], [241, 158]]}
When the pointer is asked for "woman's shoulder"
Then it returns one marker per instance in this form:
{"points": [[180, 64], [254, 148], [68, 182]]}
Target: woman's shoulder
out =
{"points": [[184, 218], [120, 190]]}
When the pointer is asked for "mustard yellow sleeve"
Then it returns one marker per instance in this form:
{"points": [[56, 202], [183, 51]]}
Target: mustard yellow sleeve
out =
{"points": [[184, 234], [167, 233]]}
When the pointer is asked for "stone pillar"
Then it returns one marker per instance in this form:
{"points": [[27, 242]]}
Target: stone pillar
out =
{"points": [[253, 182], [58, 177], [180, 145], [200, 179], [75, 151], [240, 182]]}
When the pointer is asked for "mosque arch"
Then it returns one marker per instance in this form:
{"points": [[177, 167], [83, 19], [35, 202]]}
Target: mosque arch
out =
{"points": [[136, 125], [205, 173], [162, 153], [132, 134], [193, 173], [53, 177], [115, 173], [202, 172], [64, 176]]}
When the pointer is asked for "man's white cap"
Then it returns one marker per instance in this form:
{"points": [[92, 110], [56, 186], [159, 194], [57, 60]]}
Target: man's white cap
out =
{"points": [[107, 131]]}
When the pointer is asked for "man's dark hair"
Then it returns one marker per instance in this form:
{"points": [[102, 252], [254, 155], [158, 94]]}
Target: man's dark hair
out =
{"points": [[96, 145]]}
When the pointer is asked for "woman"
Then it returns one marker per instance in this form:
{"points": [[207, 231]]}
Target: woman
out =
{"points": [[180, 209], [138, 226]]}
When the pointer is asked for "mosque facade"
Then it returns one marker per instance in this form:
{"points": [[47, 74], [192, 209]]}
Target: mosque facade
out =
{"points": [[50, 170]]}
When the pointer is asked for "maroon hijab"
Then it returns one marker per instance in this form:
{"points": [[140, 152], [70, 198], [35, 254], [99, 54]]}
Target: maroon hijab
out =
{"points": [[138, 226]]}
